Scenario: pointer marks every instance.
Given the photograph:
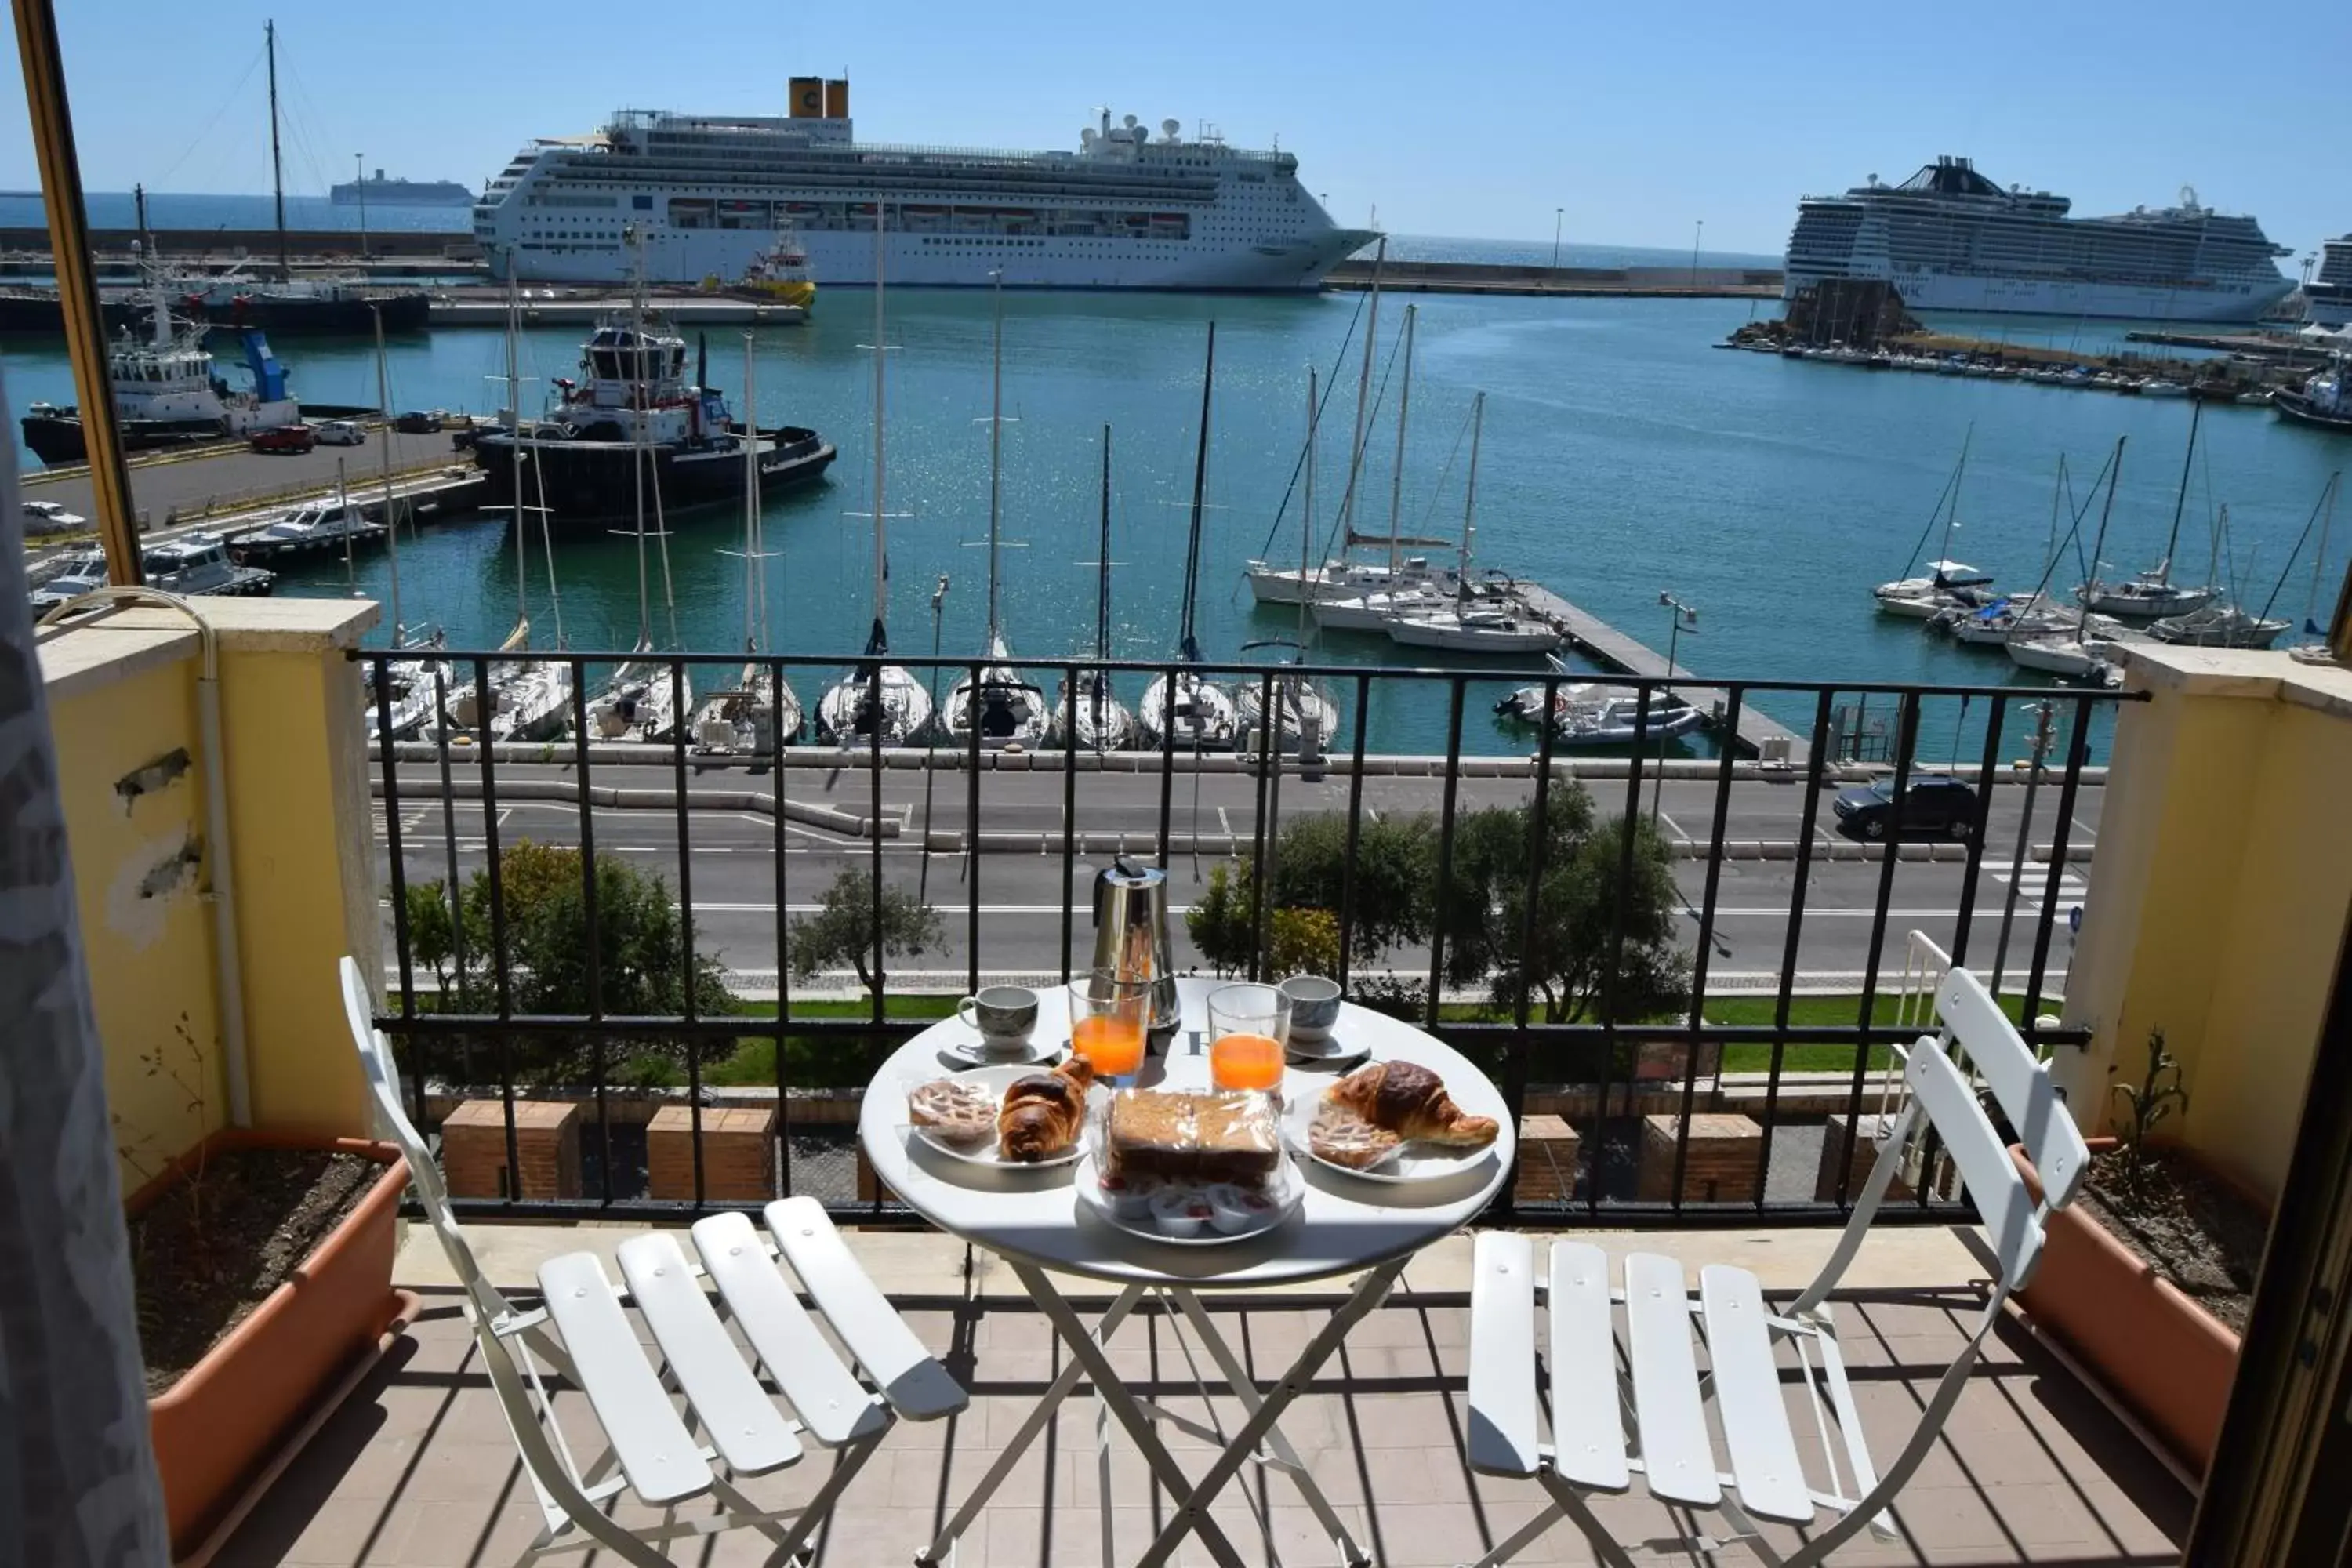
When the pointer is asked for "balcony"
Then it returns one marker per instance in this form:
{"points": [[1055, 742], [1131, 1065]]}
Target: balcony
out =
{"points": [[1780, 960]]}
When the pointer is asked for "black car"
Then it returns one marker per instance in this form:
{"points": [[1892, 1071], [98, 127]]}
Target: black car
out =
{"points": [[1935, 805]]}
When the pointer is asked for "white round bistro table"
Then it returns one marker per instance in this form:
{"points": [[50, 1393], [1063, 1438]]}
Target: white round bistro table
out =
{"points": [[1034, 1220]]}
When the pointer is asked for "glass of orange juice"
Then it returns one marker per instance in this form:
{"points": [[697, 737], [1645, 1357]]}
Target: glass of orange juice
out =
{"points": [[1248, 1027], [1109, 1019]]}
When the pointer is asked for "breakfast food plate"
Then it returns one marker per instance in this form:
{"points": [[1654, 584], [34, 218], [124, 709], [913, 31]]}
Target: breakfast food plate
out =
{"points": [[1388, 1121], [1015, 1117], [1188, 1214]]}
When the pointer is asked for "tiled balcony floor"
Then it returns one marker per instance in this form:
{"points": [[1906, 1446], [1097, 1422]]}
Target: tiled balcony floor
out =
{"points": [[417, 1469]]}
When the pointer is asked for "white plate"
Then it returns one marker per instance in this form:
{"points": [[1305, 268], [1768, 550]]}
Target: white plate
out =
{"points": [[972, 1053], [1286, 1190], [1418, 1162], [996, 1081], [1332, 1050]]}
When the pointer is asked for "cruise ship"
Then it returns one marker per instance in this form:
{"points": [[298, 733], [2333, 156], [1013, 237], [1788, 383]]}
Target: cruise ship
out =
{"points": [[1948, 238], [2327, 297], [1129, 209]]}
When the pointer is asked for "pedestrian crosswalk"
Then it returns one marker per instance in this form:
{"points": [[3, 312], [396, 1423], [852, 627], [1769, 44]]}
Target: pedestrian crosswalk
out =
{"points": [[2035, 883]]}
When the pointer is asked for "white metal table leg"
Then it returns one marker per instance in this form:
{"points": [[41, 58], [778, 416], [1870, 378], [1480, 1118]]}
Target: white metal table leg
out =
{"points": [[1050, 1401], [1368, 1293], [1191, 1515]]}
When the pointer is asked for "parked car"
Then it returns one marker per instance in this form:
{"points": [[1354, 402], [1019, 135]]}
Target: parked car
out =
{"points": [[49, 517], [1933, 806], [417, 422], [284, 438], [340, 433]]}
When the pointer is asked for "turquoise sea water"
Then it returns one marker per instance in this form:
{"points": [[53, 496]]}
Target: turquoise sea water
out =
{"points": [[1624, 455]]}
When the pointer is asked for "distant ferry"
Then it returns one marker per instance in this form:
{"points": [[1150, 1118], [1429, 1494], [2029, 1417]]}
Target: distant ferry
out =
{"points": [[2327, 298], [1126, 210], [402, 193], [1947, 238]]}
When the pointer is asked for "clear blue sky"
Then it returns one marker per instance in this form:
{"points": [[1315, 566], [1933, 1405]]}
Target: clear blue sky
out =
{"points": [[1469, 119]]}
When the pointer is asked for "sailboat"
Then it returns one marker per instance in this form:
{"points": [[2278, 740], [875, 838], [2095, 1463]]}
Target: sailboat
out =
{"points": [[1005, 706], [2153, 592], [2077, 655], [1184, 706], [1375, 595], [1462, 627], [530, 699], [643, 698], [875, 701], [2221, 623], [1948, 582], [2314, 637], [1091, 717], [1303, 715], [759, 708], [410, 680]]}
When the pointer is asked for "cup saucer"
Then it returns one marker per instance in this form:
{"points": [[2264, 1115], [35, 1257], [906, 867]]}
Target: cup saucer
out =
{"points": [[976, 1053]]}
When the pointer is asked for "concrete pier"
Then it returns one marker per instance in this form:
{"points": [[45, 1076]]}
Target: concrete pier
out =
{"points": [[1759, 735], [481, 307], [1486, 278]]}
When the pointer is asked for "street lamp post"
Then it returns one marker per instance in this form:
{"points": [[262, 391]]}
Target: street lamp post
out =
{"points": [[1698, 235], [1558, 215], [1681, 618], [359, 175]]}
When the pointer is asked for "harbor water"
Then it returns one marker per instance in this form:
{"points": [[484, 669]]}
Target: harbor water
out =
{"points": [[1624, 455]]}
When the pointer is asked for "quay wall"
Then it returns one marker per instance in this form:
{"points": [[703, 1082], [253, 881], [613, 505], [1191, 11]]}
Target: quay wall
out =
{"points": [[1486, 278]]}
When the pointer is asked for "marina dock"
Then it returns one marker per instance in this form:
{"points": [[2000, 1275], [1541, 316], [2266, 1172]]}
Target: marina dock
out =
{"points": [[1759, 735], [1619, 282], [486, 307]]}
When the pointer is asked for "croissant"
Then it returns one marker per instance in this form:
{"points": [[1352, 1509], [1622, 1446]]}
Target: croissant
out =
{"points": [[1410, 1101], [1041, 1113]]}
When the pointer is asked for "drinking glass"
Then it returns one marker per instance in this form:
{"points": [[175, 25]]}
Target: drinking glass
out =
{"points": [[1248, 1027], [1109, 1019]]}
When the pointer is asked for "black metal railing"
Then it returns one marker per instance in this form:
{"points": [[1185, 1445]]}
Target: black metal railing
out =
{"points": [[513, 993]]}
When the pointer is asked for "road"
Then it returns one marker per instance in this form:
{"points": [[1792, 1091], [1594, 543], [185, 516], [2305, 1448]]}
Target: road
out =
{"points": [[736, 880]]}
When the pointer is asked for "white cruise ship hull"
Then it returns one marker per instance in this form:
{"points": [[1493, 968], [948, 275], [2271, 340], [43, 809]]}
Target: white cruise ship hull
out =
{"points": [[1964, 294]]}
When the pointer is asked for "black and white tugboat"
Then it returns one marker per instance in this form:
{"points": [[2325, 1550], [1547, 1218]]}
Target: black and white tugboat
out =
{"points": [[635, 405], [2324, 401], [166, 392]]}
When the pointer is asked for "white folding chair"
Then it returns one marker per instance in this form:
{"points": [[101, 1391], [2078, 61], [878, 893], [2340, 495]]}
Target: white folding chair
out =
{"points": [[1629, 1353], [651, 1445]]}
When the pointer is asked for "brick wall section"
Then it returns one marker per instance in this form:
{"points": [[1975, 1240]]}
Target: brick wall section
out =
{"points": [[547, 1141], [739, 1154], [1725, 1155], [1548, 1147]]}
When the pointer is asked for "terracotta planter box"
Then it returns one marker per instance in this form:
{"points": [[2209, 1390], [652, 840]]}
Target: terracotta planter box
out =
{"points": [[217, 1431], [2168, 1360]]}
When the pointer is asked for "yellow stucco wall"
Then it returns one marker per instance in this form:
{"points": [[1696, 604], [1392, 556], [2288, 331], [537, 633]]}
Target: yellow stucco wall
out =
{"points": [[2217, 897], [145, 931]]}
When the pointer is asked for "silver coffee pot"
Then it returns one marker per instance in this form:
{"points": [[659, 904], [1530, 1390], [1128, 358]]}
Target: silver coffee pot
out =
{"points": [[1131, 935]]}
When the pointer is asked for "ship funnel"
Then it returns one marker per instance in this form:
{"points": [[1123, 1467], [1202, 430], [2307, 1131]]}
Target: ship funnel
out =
{"points": [[836, 99], [808, 97]]}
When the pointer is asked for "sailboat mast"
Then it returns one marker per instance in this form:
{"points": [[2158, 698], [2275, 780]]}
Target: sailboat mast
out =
{"points": [[391, 525], [2319, 560], [2164, 567], [1307, 512], [638, 435], [276, 164], [881, 558], [1102, 564], [752, 571], [1952, 518], [995, 446], [1363, 398], [1199, 494], [2114, 478], [1470, 491], [1396, 473], [514, 446]]}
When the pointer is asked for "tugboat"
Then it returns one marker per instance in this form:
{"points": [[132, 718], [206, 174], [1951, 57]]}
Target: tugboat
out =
{"points": [[166, 394], [2325, 399], [635, 405]]}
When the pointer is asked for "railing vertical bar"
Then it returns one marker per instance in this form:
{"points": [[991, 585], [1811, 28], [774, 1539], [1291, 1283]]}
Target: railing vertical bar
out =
{"points": [[1986, 767], [973, 704], [1906, 742], [494, 880], [1168, 759], [2078, 751], [1445, 847], [1269, 757], [387, 757], [1817, 759], [1617, 939], [1729, 730], [682, 720], [595, 966], [776, 742], [1515, 1065], [874, 830], [1070, 802], [1355, 834]]}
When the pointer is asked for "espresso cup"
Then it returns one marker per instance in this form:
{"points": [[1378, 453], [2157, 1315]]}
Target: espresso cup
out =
{"points": [[1314, 1006], [1004, 1016]]}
